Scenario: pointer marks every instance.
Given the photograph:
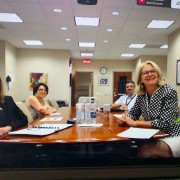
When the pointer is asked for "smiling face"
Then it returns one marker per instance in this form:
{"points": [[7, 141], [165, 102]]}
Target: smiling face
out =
{"points": [[130, 88], [149, 76], [41, 92]]}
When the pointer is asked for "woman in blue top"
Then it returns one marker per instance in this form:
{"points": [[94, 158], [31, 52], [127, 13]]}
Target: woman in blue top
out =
{"points": [[157, 102]]}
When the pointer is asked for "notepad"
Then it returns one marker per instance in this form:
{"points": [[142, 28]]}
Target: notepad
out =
{"points": [[52, 119], [138, 133], [55, 114], [118, 115], [41, 130], [89, 125]]}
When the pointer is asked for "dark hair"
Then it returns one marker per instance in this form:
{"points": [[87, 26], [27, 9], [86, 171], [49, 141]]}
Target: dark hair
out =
{"points": [[36, 87], [1, 90], [130, 81]]}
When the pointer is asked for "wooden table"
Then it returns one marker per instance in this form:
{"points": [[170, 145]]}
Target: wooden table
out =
{"points": [[108, 132], [71, 147]]}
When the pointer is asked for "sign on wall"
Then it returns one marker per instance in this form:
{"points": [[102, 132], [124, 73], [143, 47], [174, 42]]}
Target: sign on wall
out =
{"points": [[160, 3]]}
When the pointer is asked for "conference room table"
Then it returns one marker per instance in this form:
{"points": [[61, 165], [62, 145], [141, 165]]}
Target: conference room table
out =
{"points": [[71, 147], [106, 133]]}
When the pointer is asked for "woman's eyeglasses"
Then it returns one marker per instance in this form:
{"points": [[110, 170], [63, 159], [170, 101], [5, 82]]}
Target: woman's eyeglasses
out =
{"points": [[146, 73], [42, 90]]}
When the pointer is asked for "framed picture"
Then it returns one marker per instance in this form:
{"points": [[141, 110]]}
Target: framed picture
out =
{"points": [[36, 78], [103, 81], [178, 72]]}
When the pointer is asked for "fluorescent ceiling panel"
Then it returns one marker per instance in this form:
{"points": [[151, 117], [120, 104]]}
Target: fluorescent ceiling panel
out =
{"points": [[86, 21], [33, 42], [164, 46], [127, 55], [159, 24], [87, 54], [10, 17], [137, 45], [84, 44]]}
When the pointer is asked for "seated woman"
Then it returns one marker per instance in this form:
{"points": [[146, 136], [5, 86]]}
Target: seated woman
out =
{"points": [[36, 104], [11, 117], [157, 102]]}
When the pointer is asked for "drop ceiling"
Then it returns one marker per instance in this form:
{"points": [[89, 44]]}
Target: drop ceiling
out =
{"points": [[40, 22]]}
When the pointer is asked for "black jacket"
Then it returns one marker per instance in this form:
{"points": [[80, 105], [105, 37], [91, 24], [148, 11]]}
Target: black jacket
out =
{"points": [[11, 115]]}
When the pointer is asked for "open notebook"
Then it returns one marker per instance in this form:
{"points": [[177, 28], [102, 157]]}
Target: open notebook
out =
{"points": [[41, 130]]}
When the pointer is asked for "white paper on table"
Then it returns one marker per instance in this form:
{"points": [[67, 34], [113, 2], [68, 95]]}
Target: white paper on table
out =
{"points": [[41, 130], [117, 115], [52, 119], [55, 114], [138, 133], [89, 125]]}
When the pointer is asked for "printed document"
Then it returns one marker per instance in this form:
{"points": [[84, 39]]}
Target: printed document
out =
{"points": [[41, 130], [138, 133]]}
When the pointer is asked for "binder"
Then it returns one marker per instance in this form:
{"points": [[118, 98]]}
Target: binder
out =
{"points": [[41, 130]]}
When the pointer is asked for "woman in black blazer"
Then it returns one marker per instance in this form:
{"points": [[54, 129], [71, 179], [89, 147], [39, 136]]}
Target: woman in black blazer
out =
{"points": [[11, 117]]}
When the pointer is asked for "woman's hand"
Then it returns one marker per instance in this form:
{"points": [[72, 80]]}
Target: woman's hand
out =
{"points": [[126, 119], [5, 130]]}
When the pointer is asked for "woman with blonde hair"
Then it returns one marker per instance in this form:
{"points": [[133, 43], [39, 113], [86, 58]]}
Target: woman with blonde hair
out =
{"points": [[157, 102], [11, 117]]}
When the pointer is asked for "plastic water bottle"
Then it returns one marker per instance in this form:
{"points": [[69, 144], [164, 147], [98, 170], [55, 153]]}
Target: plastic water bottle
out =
{"points": [[93, 107], [79, 112], [87, 113]]}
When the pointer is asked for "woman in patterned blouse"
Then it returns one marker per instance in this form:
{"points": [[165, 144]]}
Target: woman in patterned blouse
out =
{"points": [[157, 102]]}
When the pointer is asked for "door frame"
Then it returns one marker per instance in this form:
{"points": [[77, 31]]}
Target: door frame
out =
{"points": [[115, 95]]}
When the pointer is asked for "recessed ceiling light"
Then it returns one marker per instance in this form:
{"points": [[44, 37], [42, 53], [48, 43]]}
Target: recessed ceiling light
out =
{"points": [[87, 54], [67, 39], [33, 42], [137, 45], [105, 41], [127, 55], [64, 28], [86, 21], [10, 17], [84, 44], [164, 46], [160, 24], [109, 30], [115, 13], [57, 10]]}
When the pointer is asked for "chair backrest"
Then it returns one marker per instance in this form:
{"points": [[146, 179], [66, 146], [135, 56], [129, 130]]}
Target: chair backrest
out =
{"points": [[53, 103], [88, 99], [25, 110]]}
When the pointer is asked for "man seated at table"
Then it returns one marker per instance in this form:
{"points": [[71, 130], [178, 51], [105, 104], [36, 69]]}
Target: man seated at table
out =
{"points": [[127, 101]]}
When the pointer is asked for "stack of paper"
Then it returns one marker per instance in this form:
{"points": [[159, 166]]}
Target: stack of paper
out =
{"points": [[138, 133], [41, 130]]}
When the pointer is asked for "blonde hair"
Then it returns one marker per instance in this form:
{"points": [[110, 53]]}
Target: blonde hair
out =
{"points": [[141, 89]]}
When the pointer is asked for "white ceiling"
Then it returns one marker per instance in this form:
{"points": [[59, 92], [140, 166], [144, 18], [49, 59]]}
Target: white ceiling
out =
{"points": [[41, 23]]}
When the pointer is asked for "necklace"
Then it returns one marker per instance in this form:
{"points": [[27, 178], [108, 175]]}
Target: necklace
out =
{"points": [[127, 103]]}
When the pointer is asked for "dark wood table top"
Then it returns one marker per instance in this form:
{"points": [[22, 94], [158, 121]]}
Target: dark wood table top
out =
{"points": [[108, 132]]}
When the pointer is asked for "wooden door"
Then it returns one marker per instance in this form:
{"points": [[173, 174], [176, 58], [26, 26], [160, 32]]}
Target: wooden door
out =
{"points": [[74, 98], [120, 79]]}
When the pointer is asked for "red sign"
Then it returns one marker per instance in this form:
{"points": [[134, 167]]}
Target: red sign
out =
{"points": [[86, 61]]}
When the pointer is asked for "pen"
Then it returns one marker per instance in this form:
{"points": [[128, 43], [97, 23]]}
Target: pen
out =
{"points": [[110, 129]]}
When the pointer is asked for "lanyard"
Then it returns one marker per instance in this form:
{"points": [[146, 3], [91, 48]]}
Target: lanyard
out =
{"points": [[127, 103]]}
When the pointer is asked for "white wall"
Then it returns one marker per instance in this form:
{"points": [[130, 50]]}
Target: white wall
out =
{"points": [[2, 61], [103, 93], [10, 68], [53, 62], [173, 56]]}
